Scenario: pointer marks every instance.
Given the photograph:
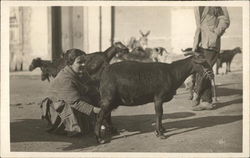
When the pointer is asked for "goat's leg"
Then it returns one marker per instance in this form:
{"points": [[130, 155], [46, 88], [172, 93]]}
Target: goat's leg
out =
{"points": [[113, 130], [159, 113], [229, 66], [191, 89], [217, 67], [103, 114]]}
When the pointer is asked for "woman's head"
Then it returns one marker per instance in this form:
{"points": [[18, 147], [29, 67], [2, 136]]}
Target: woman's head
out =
{"points": [[72, 54], [78, 65], [74, 59]]}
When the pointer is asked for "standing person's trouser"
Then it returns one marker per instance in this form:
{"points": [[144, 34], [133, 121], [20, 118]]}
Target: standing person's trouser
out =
{"points": [[203, 86]]}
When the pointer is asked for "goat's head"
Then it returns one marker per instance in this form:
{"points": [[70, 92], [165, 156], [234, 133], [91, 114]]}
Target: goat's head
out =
{"points": [[200, 64], [35, 63], [121, 49], [143, 40], [237, 50], [94, 64], [45, 76]]}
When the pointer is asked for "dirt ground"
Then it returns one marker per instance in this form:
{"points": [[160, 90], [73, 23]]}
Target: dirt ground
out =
{"points": [[218, 130]]}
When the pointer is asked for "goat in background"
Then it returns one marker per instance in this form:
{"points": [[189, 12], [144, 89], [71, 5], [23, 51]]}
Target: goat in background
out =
{"points": [[226, 56], [51, 69], [142, 42]]}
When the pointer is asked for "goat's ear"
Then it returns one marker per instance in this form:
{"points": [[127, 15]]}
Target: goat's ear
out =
{"points": [[238, 49], [141, 33], [38, 59], [62, 54], [164, 50], [147, 33]]}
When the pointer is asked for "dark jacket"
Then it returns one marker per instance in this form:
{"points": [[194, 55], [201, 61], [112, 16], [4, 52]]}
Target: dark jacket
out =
{"points": [[67, 86]]}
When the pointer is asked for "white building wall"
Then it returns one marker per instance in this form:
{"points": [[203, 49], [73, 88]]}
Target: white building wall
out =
{"points": [[182, 28], [130, 19], [97, 28], [93, 29], [39, 33], [106, 28], [31, 36]]}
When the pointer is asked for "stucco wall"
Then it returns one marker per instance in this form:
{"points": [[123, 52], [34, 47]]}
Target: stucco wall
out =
{"points": [[129, 20], [233, 35], [171, 27], [31, 36]]}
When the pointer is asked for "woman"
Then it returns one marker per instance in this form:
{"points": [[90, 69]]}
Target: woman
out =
{"points": [[70, 105]]}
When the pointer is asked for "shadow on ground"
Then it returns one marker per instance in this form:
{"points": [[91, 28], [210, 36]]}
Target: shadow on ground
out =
{"points": [[223, 104], [220, 91], [34, 130], [143, 123]]}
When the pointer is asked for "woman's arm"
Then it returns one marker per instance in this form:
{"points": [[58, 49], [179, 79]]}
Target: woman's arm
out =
{"points": [[80, 104]]}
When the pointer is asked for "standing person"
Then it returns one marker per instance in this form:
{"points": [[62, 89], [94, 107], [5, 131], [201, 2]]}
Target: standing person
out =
{"points": [[211, 24], [69, 109]]}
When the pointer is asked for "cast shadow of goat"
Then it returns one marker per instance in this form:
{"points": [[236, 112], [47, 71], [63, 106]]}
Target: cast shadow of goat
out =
{"points": [[140, 124], [221, 91]]}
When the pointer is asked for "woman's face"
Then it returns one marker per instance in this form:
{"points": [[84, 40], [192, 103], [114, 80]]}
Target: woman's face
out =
{"points": [[78, 65]]}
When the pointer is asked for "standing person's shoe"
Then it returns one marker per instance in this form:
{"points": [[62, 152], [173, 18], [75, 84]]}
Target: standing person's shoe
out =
{"points": [[204, 106]]}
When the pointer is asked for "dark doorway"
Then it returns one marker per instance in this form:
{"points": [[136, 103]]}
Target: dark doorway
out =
{"points": [[56, 32]]}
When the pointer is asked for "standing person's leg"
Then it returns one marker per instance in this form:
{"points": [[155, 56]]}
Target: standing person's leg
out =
{"points": [[203, 86], [211, 57]]}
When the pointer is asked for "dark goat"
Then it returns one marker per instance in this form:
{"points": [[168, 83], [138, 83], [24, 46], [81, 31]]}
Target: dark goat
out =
{"points": [[226, 56], [94, 62], [51, 69], [47, 67], [131, 83]]}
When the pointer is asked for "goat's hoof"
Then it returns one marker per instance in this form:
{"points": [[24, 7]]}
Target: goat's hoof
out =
{"points": [[114, 131], [100, 140], [163, 130], [196, 103], [160, 135], [191, 97]]}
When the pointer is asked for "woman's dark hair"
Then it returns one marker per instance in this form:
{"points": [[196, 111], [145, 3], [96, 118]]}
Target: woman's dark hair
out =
{"points": [[72, 54]]}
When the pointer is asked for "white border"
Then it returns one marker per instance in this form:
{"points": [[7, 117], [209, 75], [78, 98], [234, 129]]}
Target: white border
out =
{"points": [[5, 130]]}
